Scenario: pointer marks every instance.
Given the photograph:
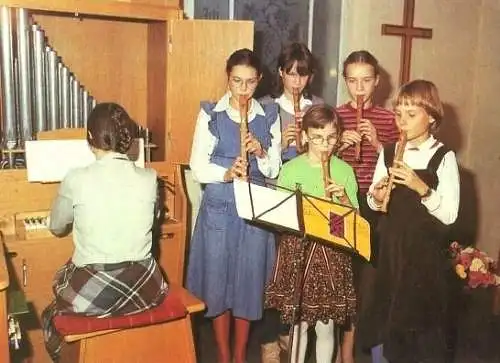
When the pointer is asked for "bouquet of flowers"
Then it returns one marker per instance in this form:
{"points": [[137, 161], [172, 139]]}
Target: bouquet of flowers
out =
{"points": [[474, 266]]}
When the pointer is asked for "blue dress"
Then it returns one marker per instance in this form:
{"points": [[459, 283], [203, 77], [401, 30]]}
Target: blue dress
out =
{"points": [[231, 260]]}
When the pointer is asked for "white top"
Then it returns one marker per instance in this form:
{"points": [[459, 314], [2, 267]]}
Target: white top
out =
{"points": [[204, 143], [444, 201], [110, 204], [287, 105]]}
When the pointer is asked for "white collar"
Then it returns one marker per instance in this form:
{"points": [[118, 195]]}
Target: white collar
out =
{"points": [[224, 105], [426, 145], [287, 105]]}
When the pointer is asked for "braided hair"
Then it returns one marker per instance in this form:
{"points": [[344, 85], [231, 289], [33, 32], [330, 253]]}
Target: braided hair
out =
{"points": [[110, 128]]}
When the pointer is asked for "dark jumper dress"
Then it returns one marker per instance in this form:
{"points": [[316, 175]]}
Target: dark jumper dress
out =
{"points": [[408, 309]]}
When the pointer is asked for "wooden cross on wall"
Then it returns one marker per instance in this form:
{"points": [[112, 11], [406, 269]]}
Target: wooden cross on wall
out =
{"points": [[407, 32]]}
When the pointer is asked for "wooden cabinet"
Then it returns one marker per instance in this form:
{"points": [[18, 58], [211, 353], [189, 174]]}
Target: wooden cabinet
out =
{"points": [[196, 63], [32, 265], [4, 284]]}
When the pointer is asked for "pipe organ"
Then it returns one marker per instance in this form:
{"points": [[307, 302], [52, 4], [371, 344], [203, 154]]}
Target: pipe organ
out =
{"points": [[39, 91], [56, 59]]}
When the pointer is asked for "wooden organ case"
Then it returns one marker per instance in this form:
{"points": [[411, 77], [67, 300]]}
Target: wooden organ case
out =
{"points": [[145, 56]]}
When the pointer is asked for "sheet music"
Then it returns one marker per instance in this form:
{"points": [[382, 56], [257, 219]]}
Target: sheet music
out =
{"points": [[264, 200], [330, 222], [50, 160]]}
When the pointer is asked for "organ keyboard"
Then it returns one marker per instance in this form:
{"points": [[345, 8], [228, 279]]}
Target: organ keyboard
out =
{"points": [[32, 225]]}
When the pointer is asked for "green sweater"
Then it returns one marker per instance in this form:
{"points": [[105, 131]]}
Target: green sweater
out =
{"points": [[310, 177]]}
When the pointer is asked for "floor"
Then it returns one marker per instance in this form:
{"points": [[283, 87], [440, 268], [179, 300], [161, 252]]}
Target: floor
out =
{"points": [[478, 334]]}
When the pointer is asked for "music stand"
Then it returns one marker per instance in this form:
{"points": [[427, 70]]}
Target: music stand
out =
{"points": [[293, 211]]}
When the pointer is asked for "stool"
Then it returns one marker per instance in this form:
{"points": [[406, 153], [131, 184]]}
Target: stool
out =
{"points": [[161, 334]]}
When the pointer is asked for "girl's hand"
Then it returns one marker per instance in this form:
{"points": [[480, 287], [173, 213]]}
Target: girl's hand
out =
{"points": [[349, 138], [335, 189], [253, 146], [369, 131], [237, 170], [405, 175], [288, 136], [380, 190]]}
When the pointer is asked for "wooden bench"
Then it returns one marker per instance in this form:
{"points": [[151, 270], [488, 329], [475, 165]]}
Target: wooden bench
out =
{"points": [[168, 341]]}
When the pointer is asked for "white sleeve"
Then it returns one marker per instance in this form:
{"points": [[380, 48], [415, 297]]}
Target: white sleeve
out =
{"points": [[380, 172], [203, 145], [270, 164], [61, 214], [443, 202]]}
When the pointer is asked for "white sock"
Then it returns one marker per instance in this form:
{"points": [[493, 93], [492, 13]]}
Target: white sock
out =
{"points": [[301, 340], [325, 341]]}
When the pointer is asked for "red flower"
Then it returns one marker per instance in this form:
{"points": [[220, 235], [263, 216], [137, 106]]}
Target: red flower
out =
{"points": [[474, 266]]}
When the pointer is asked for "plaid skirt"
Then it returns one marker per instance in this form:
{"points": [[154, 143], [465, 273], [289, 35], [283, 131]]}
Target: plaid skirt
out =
{"points": [[102, 290]]}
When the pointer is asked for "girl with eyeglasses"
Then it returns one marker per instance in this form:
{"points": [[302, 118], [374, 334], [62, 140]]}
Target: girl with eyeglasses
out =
{"points": [[328, 296], [230, 260]]}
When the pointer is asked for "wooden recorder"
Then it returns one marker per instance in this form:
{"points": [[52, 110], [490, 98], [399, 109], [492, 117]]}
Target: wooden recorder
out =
{"points": [[398, 156], [359, 116], [243, 103], [298, 124], [325, 165]]}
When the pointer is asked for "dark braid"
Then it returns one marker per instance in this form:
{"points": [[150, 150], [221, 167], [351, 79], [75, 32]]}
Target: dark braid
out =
{"points": [[123, 133], [110, 128]]}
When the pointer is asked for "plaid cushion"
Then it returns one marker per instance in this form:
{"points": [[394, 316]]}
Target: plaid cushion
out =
{"points": [[170, 309]]}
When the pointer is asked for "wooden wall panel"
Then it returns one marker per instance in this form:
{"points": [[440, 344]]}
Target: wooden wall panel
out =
{"points": [[108, 57], [196, 72], [170, 3]]}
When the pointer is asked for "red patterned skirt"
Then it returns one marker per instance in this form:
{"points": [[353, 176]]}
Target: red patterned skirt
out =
{"points": [[327, 285]]}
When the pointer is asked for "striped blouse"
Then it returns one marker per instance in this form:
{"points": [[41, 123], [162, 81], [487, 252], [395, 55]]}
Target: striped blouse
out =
{"points": [[387, 132]]}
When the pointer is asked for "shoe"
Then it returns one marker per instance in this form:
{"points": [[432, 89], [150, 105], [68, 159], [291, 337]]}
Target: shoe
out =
{"points": [[270, 352], [283, 342]]}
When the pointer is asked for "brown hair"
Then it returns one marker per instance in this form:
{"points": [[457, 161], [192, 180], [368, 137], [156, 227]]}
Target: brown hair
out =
{"points": [[361, 56], [110, 128], [421, 93], [243, 57], [306, 64], [318, 116]]}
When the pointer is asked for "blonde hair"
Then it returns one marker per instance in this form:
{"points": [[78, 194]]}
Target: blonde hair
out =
{"points": [[421, 93]]}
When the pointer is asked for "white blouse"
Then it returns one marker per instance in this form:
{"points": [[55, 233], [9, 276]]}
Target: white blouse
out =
{"points": [[443, 202], [287, 105], [204, 143], [110, 206]]}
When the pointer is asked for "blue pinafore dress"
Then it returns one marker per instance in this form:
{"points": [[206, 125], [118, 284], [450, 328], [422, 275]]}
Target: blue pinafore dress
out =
{"points": [[230, 259]]}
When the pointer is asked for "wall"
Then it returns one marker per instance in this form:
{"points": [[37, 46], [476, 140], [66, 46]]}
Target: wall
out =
{"points": [[483, 151]]}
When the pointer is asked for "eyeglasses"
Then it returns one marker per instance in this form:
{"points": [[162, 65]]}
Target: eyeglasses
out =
{"points": [[238, 82], [320, 140]]}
